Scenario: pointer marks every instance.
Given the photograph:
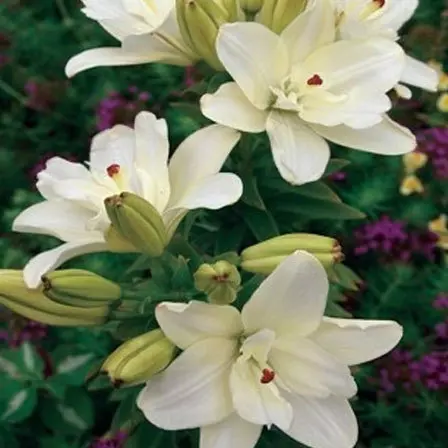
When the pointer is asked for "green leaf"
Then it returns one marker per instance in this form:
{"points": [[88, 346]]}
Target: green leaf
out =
{"points": [[7, 438], [335, 165], [347, 278], [19, 406], [56, 387], [317, 209], [318, 190], [147, 435], [9, 367], [261, 223], [72, 416], [54, 442], [251, 194], [127, 412], [27, 363], [71, 367]]}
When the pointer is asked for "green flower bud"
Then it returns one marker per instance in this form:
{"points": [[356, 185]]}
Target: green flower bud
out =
{"points": [[33, 304], [251, 5], [77, 287], [220, 281], [264, 257], [138, 359], [278, 14], [199, 22], [116, 243], [138, 222]]}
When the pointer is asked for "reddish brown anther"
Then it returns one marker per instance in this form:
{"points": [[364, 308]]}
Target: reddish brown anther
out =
{"points": [[113, 170], [267, 377], [380, 3], [315, 80]]}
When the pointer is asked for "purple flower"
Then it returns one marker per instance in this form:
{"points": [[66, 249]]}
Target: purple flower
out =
{"points": [[393, 240], [21, 330], [441, 302], [116, 441], [434, 143], [121, 108]]}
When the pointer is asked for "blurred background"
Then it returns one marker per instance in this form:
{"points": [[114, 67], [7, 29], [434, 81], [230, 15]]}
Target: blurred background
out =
{"points": [[398, 250]]}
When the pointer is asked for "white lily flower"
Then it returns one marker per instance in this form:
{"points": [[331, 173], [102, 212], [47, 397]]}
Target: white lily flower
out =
{"points": [[302, 88], [123, 18], [278, 362], [139, 45], [134, 160], [384, 18]]}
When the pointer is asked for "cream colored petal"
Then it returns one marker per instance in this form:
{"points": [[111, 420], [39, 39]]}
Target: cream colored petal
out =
{"points": [[419, 74]]}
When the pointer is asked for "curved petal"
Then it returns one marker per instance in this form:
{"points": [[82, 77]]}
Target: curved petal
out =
{"points": [[194, 390], [419, 74], [61, 219], [185, 324], [299, 153], [312, 29], [339, 66], [231, 432], [353, 341], [52, 259], [323, 422], [307, 369], [213, 192], [151, 156], [291, 300], [255, 57], [396, 13], [199, 156], [387, 137], [258, 403], [105, 57], [230, 107]]}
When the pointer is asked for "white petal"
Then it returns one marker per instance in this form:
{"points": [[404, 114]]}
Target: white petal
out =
{"points": [[312, 29], [194, 390], [61, 219], [260, 404], [353, 341], [396, 13], [291, 300], [52, 259], [232, 432], [419, 74], [151, 156], [307, 369], [300, 154], [230, 107], [113, 146], [339, 66], [213, 192], [185, 324], [199, 156], [387, 137], [255, 57], [323, 422]]}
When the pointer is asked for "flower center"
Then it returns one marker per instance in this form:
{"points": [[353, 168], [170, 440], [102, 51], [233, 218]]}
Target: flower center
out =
{"points": [[267, 376], [371, 8]]}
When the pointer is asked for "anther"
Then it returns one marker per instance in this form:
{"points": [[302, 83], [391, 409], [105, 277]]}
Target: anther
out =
{"points": [[113, 170], [267, 377], [315, 80]]}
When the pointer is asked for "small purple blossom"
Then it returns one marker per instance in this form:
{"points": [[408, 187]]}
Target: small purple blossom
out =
{"points": [[27, 330], [441, 302], [434, 143], [43, 95], [394, 240], [116, 441], [121, 108], [338, 176]]}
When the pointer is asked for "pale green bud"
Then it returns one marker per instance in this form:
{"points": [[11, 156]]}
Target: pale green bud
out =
{"points": [[220, 281], [116, 243], [264, 257], [77, 287], [33, 304], [251, 5], [138, 222], [278, 14], [140, 358], [199, 22]]}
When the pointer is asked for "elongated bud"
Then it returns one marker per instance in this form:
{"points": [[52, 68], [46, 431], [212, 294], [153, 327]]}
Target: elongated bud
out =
{"points": [[251, 5], [33, 304], [199, 23], [117, 243], [264, 257], [137, 221], [77, 287], [138, 359], [278, 14], [220, 281]]}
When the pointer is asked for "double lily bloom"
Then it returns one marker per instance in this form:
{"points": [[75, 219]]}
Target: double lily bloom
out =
{"points": [[132, 160], [278, 362], [304, 88]]}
